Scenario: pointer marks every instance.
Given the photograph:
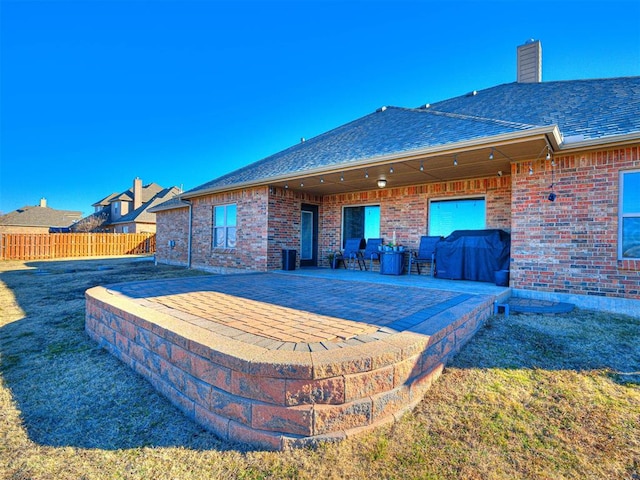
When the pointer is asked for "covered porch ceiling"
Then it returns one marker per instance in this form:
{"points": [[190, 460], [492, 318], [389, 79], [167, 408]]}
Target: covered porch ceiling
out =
{"points": [[455, 164]]}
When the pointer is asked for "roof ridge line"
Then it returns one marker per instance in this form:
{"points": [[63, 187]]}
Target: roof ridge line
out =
{"points": [[508, 123]]}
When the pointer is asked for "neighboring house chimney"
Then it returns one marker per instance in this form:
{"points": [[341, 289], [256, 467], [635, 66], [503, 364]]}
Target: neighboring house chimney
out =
{"points": [[137, 193], [530, 62], [43, 202]]}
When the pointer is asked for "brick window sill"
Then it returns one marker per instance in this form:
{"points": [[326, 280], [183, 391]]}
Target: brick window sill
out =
{"points": [[223, 251], [631, 264]]}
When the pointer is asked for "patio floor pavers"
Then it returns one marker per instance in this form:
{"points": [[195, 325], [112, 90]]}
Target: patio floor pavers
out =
{"points": [[289, 308]]}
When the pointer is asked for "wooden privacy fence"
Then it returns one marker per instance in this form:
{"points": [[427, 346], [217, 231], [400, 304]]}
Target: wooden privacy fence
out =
{"points": [[40, 246]]}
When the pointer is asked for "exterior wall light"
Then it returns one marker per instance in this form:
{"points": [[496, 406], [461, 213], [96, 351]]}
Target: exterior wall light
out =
{"points": [[382, 183]]}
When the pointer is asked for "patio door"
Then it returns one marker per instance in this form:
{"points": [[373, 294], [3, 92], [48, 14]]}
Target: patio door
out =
{"points": [[309, 236]]}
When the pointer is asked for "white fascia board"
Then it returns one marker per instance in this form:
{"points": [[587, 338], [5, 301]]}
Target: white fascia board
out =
{"points": [[600, 142]]}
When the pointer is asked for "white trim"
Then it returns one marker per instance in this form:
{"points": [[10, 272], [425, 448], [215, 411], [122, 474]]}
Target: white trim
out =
{"points": [[602, 142], [621, 215]]}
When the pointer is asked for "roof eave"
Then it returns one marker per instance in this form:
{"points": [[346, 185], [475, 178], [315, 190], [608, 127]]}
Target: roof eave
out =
{"points": [[551, 132], [609, 141]]}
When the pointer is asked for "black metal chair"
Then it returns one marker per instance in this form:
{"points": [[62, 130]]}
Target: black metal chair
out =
{"points": [[426, 253], [351, 254], [371, 251]]}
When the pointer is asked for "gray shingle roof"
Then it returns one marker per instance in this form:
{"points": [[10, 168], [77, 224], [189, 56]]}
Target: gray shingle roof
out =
{"points": [[582, 110], [142, 213], [36, 216]]}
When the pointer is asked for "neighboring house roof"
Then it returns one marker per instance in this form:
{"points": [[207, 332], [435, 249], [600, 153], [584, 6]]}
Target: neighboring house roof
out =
{"points": [[142, 214], [581, 110], [37, 216], [106, 200], [172, 204]]}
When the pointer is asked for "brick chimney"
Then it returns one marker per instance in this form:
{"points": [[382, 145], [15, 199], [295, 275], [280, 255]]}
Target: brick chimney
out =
{"points": [[43, 202], [137, 193], [530, 62]]}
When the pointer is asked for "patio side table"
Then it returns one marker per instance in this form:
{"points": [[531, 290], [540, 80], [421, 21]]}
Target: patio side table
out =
{"points": [[392, 263]]}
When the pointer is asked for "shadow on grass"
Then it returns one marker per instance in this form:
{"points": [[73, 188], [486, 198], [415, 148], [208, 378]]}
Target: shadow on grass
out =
{"points": [[69, 391]]}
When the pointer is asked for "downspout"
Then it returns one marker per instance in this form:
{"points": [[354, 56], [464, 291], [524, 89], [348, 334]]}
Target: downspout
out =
{"points": [[189, 234]]}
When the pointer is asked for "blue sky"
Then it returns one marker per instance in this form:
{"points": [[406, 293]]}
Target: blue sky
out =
{"points": [[95, 93]]}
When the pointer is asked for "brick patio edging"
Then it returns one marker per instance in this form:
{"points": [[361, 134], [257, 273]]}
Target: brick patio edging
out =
{"points": [[277, 399]]}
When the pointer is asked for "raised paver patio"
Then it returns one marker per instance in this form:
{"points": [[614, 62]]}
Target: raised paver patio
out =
{"points": [[285, 360]]}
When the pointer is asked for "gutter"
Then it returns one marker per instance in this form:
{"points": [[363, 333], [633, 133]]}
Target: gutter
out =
{"points": [[599, 142], [550, 132]]}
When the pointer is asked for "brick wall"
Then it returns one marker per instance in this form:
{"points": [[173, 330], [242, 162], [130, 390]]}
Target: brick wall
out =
{"points": [[284, 223], [251, 240], [260, 241], [570, 246], [405, 210], [172, 226]]}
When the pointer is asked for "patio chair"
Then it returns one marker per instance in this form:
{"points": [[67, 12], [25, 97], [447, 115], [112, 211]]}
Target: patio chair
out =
{"points": [[351, 254], [371, 251], [426, 253]]}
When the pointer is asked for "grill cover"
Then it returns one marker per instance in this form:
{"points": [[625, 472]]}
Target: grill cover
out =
{"points": [[473, 255]]}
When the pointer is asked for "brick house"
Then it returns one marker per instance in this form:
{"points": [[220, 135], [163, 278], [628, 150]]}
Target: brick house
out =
{"points": [[38, 219], [557, 164], [129, 211]]}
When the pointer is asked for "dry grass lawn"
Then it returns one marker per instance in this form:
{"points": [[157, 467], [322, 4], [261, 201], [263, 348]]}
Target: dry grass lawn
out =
{"points": [[531, 396]]}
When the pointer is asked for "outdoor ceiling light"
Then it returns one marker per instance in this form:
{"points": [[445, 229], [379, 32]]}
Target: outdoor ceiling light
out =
{"points": [[366, 174], [391, 170], [530, 170], [491, 154], [455, 160], [286, 185], [342, 177], [499, 173], [382, 183], [301, 184], [421, 166], [321, 179]]}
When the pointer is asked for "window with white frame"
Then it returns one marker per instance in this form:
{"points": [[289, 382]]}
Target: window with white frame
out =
{"points": [[224, 226], [629, 215], [446, 216]]}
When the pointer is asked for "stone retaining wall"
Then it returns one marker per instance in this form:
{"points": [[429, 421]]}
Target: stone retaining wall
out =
{"points": [[277, 399]]}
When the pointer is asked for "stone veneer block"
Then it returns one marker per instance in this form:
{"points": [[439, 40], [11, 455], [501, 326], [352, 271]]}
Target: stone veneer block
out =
{"points": [[279, 395]]}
